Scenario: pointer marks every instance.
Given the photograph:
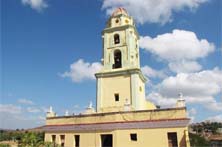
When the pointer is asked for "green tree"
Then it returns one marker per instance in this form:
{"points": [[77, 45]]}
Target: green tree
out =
{"points": [[31, 139], [4, 145], [50, 144], [198, 141]]}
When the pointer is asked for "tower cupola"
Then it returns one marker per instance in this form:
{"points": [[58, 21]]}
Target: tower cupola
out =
{"points": [[119, 17], [119, 11]]}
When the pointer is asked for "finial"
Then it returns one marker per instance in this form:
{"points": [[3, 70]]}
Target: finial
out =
{"points": [[180, 95], [50, 109], [127, 105], [50, 112], [127, 101], [90, 108], [90, 105], [180, 101], [66, 113]]}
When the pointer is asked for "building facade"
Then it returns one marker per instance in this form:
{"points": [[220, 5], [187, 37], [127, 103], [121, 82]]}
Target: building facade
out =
{"points": [[123, 117]]}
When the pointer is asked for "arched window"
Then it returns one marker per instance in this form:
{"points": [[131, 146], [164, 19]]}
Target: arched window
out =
{"points": [[117, 59], [116, 39]]}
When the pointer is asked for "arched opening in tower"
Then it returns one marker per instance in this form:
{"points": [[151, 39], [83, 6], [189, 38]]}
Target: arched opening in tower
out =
{"points": [[117, 59], [116, 39]]}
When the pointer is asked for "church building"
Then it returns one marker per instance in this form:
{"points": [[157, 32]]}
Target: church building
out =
{"points": [[122, 117]]}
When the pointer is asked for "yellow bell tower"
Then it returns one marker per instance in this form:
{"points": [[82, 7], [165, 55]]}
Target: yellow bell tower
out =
{"points": [[120, 83]]}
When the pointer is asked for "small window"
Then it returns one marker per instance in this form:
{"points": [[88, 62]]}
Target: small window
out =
{"points": [[62, 138], [77, 138], [116, 97], [116, 39], [53, 138], [172, 139], [133, 137]]}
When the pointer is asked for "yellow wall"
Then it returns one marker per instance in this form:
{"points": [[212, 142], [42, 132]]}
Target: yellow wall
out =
{"points": [[121, 138], [119, 116], [130, 86], [112, 85]]}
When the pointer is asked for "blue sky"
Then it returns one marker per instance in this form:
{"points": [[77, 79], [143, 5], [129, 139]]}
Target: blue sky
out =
{"points": [[52, 48]]}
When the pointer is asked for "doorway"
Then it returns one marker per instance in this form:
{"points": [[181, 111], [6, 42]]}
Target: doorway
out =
{"points": [[107, 140], [172, 139]]}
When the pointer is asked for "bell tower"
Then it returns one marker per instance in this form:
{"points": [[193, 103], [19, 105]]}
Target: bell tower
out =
{"points": [[121, 83], [120, 42]]}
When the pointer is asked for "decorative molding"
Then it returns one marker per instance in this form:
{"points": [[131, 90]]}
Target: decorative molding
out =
{"points": [[147, 124], [123, 71], [119, 28], [112, 113]]}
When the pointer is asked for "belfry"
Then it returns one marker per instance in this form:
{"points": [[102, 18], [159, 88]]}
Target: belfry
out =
{"points": [[121, 82], [123, 117]]}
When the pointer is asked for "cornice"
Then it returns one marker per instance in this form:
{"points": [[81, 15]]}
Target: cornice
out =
{"points": [[117, 72]]}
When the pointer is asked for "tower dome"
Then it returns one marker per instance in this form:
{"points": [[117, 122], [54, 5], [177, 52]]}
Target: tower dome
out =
{"points": [[120, 11]]}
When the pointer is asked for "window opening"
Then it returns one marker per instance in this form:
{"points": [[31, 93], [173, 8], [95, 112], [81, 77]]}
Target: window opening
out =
{"points": [[133, 137], [116, 39], [116, 97], [117, 59], [107, 140], [172, 139], [77, 139], [62, 138]]}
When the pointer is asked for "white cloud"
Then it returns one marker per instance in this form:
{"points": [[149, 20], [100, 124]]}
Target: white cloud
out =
{"points": [[180, 49], [152, 73], [217, 118], [178, 45], [41, 120], [80, 70], [191, 114], [207, 83], [199, 88], [214, 105], [13, 117], [185, 66], [33, 110], [160, 100], [25, 101], [14, 121], [44, 109], [38, 5], [152, 11], [192, 111], [10, 108]]}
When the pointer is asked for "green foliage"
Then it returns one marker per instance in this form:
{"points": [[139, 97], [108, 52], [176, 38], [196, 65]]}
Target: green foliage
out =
{"points": [[10, 135], [50, 144], [207, 127], [25, 139], [4, 145], [31, 139], [198, 141]]}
